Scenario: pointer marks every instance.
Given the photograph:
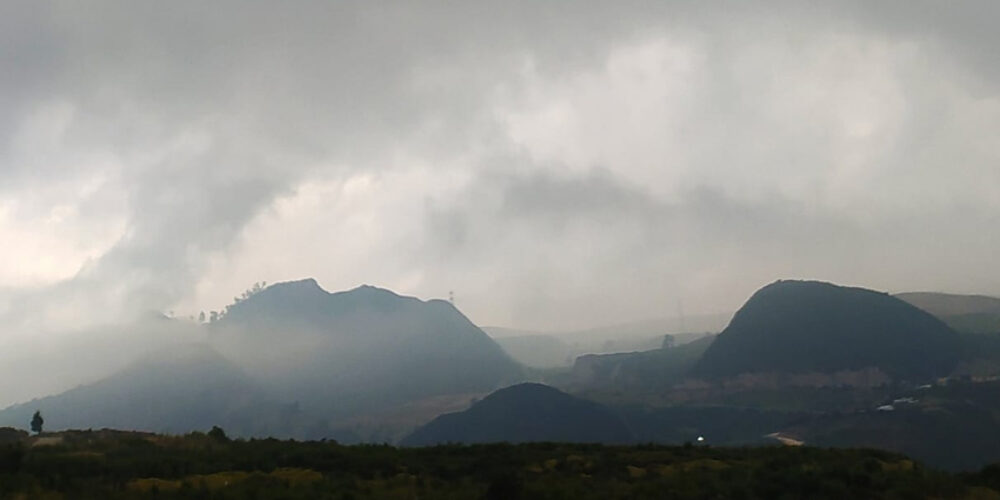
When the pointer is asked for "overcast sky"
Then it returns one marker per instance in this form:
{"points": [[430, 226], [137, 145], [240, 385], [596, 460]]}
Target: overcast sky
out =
{"points": [[555, 164]]}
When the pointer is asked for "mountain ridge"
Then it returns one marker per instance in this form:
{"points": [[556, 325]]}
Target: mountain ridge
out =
{"points": [[800, 326]]}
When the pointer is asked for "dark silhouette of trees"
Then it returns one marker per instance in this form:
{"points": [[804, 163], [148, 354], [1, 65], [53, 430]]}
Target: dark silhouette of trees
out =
{"points": [[36, 422], [250, 292], [218, 434], [669, 341]]}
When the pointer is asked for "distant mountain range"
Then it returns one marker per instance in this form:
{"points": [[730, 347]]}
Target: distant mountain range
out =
{"points": [[964, 313], [184, 388], [292, 360], [523, 413], [549, 349], [642, 371]]}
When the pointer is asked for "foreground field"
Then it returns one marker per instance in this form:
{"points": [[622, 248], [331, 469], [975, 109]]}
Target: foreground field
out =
{"points": [[121, 465]]}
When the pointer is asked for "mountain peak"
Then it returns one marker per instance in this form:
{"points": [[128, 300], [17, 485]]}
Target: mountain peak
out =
{"points": [[305, 285], [812, 326], [367, 289], [285, 299]]}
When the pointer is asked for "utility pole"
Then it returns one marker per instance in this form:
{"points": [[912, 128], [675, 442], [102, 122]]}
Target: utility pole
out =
{"points": [[680, 315]]}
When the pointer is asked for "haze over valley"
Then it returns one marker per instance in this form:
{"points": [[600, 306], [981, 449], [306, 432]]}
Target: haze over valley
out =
{"points": [[444, 226]]}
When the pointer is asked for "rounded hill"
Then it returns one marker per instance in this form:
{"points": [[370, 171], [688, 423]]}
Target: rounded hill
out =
{"points": [[810, 326], [524, 413]]}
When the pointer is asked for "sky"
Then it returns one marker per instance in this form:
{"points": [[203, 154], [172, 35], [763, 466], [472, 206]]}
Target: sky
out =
{"points": [[553, 164]]}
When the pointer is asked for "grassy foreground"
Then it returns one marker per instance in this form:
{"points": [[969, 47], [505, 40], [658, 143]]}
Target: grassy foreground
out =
{"points": [[120, 465]]}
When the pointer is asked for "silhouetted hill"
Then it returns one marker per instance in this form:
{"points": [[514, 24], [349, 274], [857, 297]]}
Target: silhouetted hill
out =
{"points": [[539, 351], [549, 349], [638, 372], [363, 349], [808, 326], [964, 313], [524, 413], [179, 389]]}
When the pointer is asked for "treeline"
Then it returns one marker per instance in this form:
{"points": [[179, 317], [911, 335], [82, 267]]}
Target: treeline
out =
{"points": [[118, 465]]}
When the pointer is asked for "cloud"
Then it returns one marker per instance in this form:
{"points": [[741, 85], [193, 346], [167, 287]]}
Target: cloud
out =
{"points": [[550, 164]]}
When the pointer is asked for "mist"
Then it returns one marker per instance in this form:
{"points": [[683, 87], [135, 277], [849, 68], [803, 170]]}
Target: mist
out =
{"points": [[554, 166]]}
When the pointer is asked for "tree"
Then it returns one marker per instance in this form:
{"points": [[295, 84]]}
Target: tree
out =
{"points": [[218, 434], [669, 342], [36, 422]]}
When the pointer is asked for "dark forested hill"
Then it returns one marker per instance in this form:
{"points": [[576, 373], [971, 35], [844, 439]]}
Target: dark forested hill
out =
{"points": [[808, 326], [340, 353], [524, 413]]}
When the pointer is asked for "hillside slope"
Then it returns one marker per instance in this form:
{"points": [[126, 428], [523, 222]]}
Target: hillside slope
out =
{"points": [[964, 313], [362, 349], [525, 413], [809, 326], [638, 372], [179, 389]]}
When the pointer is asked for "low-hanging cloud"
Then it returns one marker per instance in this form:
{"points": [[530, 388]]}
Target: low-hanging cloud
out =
{"points": [[554, 164]]}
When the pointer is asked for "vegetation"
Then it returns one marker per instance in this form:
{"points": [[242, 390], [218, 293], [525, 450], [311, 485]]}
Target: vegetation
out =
{"points": [[524, 413], [801, 362], [808, 326], [249, 292], [120, 465], [36, 422]]}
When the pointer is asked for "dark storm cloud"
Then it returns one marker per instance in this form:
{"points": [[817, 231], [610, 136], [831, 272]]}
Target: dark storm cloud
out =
{"points": [[552, 162]]}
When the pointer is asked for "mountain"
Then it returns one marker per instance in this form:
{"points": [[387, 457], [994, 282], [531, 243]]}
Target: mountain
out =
{"points": [[551, 349], [524, 413], [638, 372], [964, 313], [538, 351], [810, 326], [174, 390], [339, 354]]}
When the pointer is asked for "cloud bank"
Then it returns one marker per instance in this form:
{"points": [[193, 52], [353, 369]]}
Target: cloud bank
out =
{"points": [[554, 164]]}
